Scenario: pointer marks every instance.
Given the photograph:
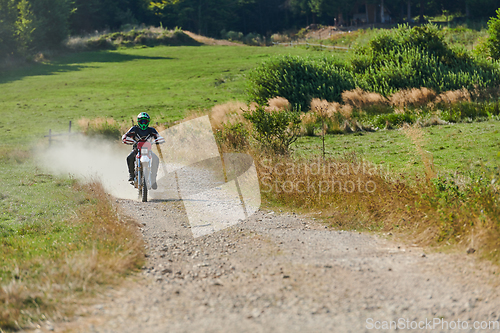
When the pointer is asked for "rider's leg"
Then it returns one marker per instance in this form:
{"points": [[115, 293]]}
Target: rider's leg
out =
{"points": [[130, 164], [154, 170]]}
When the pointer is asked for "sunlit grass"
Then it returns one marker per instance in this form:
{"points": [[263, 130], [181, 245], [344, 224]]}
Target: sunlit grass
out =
{"points": [[163, 81]]}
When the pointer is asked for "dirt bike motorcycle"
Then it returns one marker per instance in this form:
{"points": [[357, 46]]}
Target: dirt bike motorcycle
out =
{"points": [[143, 164]]}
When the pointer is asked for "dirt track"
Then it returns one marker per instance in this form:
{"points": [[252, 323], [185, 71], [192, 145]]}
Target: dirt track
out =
{"points": [[282, 273]]}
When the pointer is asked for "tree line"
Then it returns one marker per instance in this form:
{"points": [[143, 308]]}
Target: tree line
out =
{"points": [[30, 25]]}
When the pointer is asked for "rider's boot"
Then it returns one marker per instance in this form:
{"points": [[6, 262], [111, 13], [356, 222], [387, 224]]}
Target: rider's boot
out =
{"points": [[131, 177]]}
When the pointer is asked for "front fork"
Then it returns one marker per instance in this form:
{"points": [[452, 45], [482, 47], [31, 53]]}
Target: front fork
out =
{"points": [[139, 172]]}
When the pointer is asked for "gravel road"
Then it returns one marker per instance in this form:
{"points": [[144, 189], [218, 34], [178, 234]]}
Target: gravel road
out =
{"points": [[280, 272]]}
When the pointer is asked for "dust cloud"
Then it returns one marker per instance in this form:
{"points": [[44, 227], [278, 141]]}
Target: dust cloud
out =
{"points": [[89, 159]]}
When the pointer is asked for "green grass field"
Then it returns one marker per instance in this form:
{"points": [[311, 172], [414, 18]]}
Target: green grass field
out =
{"points": [[33, 223], [455, 147], [163, 81]]}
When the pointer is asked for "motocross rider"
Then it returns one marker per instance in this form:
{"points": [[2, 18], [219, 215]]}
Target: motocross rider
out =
{"points": [[133, 135]]}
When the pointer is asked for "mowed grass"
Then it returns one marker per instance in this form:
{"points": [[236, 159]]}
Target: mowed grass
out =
{"points": [[163, 81], [36, 216], [454, 148]]}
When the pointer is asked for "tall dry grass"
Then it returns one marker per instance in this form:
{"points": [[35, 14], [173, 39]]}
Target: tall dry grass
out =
{"points": [[414, 97], [108, 247], [417, 137], [333, 117], [277, 104], [453, 96], [230, 112], [350, 193], [359, 98], [309, 123]]}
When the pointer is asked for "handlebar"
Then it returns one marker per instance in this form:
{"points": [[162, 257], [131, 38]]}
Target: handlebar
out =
{"points": [[130, 141]]}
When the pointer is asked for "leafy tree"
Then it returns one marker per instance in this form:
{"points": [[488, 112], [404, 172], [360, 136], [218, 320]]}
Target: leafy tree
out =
{"points": [[493, 42], [25, 27], [8, 15], [91, 15], [51, 22]]}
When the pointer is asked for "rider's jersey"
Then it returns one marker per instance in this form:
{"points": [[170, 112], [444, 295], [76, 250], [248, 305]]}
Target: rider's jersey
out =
{"points": [[136, 133]]}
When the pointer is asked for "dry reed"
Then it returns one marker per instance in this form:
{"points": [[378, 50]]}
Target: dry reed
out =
{"points": [[360, 98], [454, 96], [278, 104], [228, 112], [414, 97], [417, 136]]}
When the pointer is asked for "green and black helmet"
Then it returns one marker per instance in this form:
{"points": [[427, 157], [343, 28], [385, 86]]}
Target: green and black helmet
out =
{"points": [[143, 120]]}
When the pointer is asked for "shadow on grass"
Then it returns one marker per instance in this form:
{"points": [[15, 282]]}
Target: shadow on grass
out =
{"points": [[70, 63]]}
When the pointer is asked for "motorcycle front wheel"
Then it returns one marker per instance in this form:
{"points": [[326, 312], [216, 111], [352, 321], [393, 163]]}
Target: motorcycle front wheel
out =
{"points": [[144, 189]]}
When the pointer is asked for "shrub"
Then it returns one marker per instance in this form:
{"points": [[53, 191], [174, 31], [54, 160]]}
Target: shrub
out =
{"points": [[253, 39], [106, 127], [299, 80], [466, 110], [275, 131], [406, 58], [493, 42], [393, 119], [232, 136], [309, 123], [150, 37]]}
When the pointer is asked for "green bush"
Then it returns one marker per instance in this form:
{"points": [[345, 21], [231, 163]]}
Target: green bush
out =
{"points": [[233, 136], [146, 37], [413, 68], [401, 58], [299, 80], [493, 42], [417, 57], [110, 130], [464, 111], [393, 119], [8, 17], [274, 130], [27, 26]]}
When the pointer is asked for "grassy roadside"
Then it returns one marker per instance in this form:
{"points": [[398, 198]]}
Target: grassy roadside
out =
{"points": [[435, 186], [60, 241]]}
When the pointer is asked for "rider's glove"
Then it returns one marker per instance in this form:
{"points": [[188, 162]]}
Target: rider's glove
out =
{"points": [[159, 139], [127, 140]]}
